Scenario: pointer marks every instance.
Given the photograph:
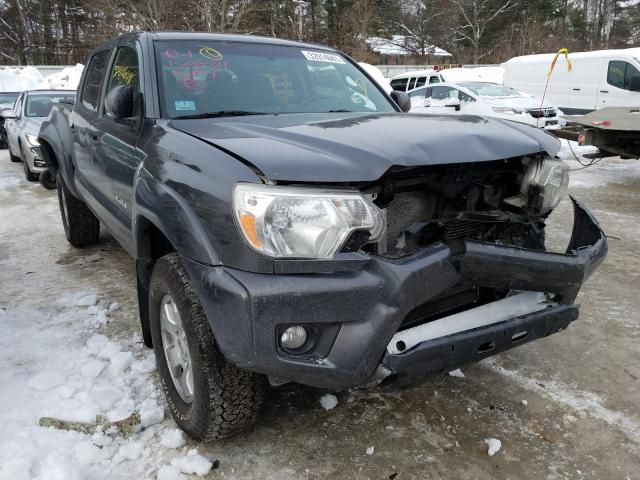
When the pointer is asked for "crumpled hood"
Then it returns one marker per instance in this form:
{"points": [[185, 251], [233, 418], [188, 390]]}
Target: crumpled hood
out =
{"points": [[349, 147]]}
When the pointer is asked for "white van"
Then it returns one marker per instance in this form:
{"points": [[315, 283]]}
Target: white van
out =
{"points": [[604, 78]]}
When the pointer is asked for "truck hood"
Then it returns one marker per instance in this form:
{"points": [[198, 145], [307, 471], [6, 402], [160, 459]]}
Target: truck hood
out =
{"points": [[349, 147]]}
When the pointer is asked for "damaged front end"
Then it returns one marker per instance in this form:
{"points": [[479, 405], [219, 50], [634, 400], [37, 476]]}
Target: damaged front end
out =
{"points": [[487, 221]]}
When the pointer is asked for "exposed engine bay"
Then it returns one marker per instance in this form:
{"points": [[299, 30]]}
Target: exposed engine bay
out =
{"points": [[503, 202]]}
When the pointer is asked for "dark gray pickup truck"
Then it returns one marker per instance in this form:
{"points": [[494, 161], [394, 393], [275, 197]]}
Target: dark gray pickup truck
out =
{"points": [[290, 222]]}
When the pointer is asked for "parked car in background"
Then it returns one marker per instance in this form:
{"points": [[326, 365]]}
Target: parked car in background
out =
{"points": [[22, 124], [604, 78], [488, 100], [290, 221], [7, 101], [408, 81]]}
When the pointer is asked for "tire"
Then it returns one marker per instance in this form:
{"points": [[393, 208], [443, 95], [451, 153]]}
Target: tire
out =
{"points": [[28, 174], [47, 180], [12, 157], [225, 399], [81, 226]]}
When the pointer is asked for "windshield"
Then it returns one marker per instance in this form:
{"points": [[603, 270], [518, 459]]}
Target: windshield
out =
{"points": [[39, 105], [209, 77], [483, 89], [7, 100]]}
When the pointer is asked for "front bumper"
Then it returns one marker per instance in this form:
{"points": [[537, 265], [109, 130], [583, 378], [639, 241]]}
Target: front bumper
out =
{"points": [[357, 311]]}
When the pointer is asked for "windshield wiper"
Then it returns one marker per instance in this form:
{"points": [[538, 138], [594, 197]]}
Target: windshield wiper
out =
{"points": [[221, 113], [339, 111]]}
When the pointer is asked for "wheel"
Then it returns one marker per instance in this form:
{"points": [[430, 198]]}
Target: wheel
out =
{"points": [[28, 174], [47, 179], [209, 397], [81, 227], [12, 157]]}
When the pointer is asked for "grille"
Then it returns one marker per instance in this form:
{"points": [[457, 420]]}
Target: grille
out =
{"points": [[542, 112]]}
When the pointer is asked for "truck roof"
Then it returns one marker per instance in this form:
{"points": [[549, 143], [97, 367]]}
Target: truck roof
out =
{"points": [[222, 37]]}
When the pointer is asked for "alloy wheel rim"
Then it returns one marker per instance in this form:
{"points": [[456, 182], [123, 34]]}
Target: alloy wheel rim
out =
{"points": [[176, 349]]}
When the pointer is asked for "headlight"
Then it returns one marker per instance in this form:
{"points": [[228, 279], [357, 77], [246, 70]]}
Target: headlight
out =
{"points": [[508, 110], [32, 139], [302, 222], [551, 179]]}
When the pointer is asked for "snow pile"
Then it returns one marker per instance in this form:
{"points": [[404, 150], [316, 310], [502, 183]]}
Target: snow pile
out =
{"points": [[370, 450], [67, 79], [456, 373], [30, 78], [56, 364], [376, 74], [19, 79], [493, 446], [328, 401]]}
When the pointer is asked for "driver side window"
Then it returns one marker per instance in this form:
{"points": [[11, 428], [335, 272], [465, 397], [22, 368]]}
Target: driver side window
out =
{"points": [[125, 73]]}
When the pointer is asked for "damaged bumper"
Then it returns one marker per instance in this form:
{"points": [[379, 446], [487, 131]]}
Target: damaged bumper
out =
{"points": [[354, 314]]}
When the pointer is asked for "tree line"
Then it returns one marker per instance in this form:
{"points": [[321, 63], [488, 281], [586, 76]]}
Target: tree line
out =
{"points": [[62, 32]]}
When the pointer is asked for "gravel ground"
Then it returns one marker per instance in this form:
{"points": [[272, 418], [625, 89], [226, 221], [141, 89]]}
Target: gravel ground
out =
{"points": [[563, 407]]}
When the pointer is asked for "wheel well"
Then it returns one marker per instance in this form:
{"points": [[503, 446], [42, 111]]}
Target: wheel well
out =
{"points": [[49, 156], [151, 245]]}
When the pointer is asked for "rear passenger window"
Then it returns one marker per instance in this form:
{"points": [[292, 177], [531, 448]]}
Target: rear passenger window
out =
{"points": [[434, 79], [93, 80], [421, 81]]}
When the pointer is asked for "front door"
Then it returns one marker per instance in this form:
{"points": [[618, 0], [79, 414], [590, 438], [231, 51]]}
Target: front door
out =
{"points": [[116, 156]]}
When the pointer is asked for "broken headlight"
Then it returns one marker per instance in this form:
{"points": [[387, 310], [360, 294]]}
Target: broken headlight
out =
{"points": [[545, 182], [302, 222]]}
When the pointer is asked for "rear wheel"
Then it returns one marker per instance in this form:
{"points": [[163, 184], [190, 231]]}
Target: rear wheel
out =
{"points": [[209, 397], [81, 227]]}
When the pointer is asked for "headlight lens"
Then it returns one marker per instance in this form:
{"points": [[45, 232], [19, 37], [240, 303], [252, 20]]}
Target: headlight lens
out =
{"points": [[32, 139], [508, 110], [551, 177], [302, 222]]}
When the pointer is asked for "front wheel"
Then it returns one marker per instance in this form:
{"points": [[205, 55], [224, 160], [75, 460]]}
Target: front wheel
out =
{"points": [[209, 397], [81, 226]]}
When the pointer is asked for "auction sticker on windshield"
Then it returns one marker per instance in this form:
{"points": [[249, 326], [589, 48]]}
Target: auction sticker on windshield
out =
{"points": [[322, 57]]}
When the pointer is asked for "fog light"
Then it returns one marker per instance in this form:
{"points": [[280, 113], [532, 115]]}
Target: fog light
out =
{"points": [[293, 337]]}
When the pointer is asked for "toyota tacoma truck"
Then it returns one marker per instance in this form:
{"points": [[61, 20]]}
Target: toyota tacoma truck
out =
{"points": [[290, 222]]}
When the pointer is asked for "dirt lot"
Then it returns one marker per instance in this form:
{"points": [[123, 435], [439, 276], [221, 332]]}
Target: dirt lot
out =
{"points": [[563, 407]]}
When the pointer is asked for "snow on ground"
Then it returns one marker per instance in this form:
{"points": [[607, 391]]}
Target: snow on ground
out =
{"points": [[30, 78], [328, 401], [56, 364], [601, 172], [493, 446], [476, 74]]}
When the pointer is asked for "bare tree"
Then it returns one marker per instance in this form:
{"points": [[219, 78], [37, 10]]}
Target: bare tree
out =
{"points": [[476, 16]]}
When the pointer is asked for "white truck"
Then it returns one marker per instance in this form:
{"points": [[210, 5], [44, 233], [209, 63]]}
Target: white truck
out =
{"points": [[600, 79]]}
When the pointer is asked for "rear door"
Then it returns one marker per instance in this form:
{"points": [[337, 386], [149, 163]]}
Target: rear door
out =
{"points": [[616, 91], [116, 156], [84, 117]]}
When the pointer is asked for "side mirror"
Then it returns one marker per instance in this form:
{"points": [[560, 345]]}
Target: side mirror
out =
{"points": [[8, 113], [119, 102], [453, 102], [402, 99]]}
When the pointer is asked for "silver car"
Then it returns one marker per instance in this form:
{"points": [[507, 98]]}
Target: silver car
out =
{"points": [[22, 125]]}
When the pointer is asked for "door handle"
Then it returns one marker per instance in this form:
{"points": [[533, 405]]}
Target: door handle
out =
{"points": [[576, 89], [604, 91]]}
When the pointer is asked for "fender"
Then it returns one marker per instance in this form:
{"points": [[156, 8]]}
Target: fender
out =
{"points": [[56, 141], [173, 216]]}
